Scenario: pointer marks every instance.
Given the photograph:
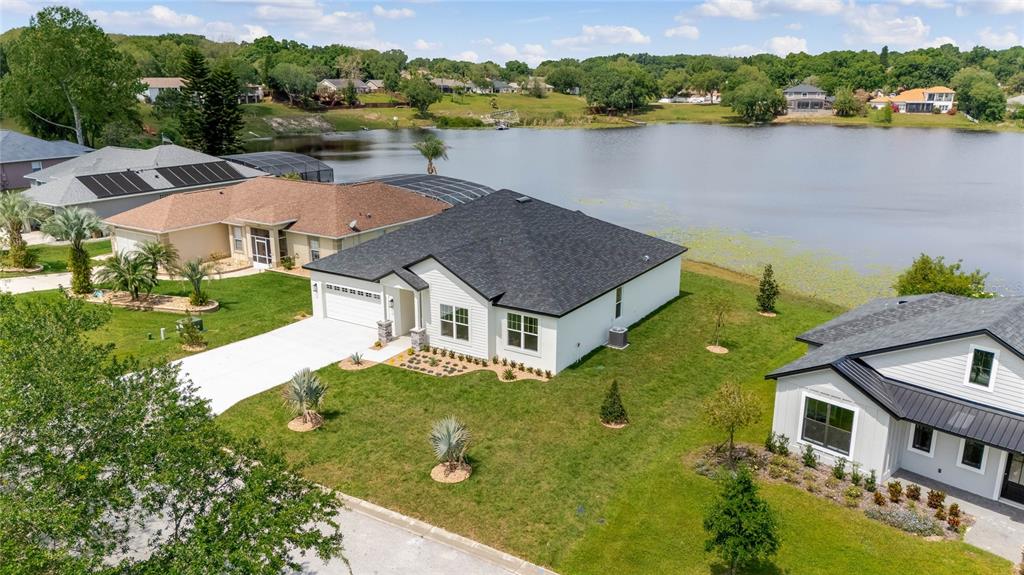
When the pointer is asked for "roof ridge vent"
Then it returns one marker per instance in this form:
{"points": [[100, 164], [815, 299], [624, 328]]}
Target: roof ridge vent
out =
{"points": [[523, 199]]}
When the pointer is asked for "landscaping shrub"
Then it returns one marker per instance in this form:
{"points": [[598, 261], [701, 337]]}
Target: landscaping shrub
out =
{"points": [[871, 482], [954, 522], [777, 443], [855, 475], [458, 122], [494, 359], [941, 514], [954, 510], [356, 358], [909, 521], [936, 499], [190, 335], [504, 361], [547, 373], [304, 394], [811, 487], [790, 477], [810, 458], [895, 491], [831, 482], [288, 262], [852, 496], [914, 492], [879, 499], [509, 374], [612, 410], [839, 469], [768, 291]]}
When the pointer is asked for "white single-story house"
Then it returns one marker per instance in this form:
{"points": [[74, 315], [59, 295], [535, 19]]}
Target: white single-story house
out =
{"points": [[504, 275], [338, 85], [930, 384], [262, 220], [154, 86]]}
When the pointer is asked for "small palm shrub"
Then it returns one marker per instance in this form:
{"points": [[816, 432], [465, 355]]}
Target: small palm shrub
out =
{"points": [[895, 491], [914, 492], [194, 271], [449, 438], [612, 410], [130, 272], [810, 458], [75, 225], [304, 394], [158, 255], [509, 374]]}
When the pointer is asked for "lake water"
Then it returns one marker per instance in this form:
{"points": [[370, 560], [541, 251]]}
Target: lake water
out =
{"points": [[873, 197]]}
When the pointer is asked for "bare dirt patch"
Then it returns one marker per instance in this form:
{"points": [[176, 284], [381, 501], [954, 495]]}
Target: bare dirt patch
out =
{"points": [[348, 365], [442, 474], [717, 349], [614, 425], [767, 314], [301, 426]]}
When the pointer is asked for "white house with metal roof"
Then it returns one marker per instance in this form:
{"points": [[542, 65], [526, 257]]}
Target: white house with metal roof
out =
{"points": [[502, 275], [930, 384], [112, 180]]}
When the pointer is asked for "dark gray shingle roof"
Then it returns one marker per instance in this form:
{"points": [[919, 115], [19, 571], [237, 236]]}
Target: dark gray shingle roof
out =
{"points": [[801, 88], [891, 323], [528, 255], [18, 147], [945, 413]]}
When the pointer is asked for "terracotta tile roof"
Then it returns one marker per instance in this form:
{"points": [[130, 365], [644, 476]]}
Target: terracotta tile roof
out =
{"points": [[915, 95], [311, 208]]}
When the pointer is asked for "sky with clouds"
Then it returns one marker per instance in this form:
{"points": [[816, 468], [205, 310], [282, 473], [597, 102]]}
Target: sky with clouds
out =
{"points": [[537, 31]]}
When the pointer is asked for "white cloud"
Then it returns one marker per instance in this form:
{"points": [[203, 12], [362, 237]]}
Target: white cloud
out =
{"points": [[814, 6], [794, 26], [532, 54], [534, 20], [468, 56], [165, 19], [422, 44], [935, 4], [1004, 6], [604, 35], [393, 13], [883, 25], [941, 40], [741, 50], [784, 45], [961, 11], [739, 9], [993, 39], [687, 31]]}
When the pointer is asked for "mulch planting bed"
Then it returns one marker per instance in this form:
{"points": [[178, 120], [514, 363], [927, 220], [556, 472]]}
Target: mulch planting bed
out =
{"points": [[434, 362], [152, 302]]}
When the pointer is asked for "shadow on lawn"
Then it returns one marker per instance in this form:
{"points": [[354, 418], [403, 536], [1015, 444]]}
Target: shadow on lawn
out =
{"points": [[757, 568]]}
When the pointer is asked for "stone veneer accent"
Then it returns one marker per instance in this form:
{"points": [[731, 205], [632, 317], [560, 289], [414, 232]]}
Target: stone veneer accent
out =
{"points": [[419, 338], [385, 331]]}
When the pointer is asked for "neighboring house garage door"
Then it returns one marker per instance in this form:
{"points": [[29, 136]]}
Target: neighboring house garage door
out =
{"points": [[352, 305], [128, 241]]}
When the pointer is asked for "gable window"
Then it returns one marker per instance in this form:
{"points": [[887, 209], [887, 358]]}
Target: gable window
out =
{"points": [[922, 439], [314, 249], [827, 425], [236, 238], [455, 322], [522, 331], [36, 166], [618, 301], [982, 365], [972, 455]]}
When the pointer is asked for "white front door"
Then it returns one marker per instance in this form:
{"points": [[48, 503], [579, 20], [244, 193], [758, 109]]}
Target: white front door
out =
{"points": [[352, 305]]}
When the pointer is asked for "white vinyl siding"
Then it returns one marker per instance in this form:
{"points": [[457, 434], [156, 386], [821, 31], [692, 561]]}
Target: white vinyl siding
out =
{"points": [[447, 289], [944, 367], [128, 241], [347, 303]]}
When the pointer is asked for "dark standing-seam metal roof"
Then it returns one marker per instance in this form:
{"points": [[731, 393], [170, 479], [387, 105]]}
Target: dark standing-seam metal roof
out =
{"points": [[451, 190], [283, 163], [949, 414], [516, 251]]}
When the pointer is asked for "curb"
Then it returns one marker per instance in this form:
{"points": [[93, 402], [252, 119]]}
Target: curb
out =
{"points": [[511, 563]]}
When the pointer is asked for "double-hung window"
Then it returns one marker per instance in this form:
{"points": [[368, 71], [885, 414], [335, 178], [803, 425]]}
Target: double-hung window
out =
{"points": [[827, 425], [982, 364], [455, 322], [236, 238], [36, 166], [522, 331], [618, 301], [314, 249]]}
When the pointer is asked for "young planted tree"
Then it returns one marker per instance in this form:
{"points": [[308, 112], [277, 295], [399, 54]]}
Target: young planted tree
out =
{"points": [[18, 212], [130, 272], [449, 438], [432, 148], [768, 291], [612, 410], [741, 526], [719, 310], [75, 225], [98, 450], [194, 271], [730, 409], [304, 395]]}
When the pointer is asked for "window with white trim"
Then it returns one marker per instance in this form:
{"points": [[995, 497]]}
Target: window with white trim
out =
{"points": [[827, 425], [314, 249], [522, 331], [618, 301], [982, 365], [36, 166], [972, 454], [455, 322], [236, 239], [922, 439]]}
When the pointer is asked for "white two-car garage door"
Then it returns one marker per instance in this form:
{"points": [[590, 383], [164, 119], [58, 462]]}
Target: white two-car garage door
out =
{"points": [[352, 305]]}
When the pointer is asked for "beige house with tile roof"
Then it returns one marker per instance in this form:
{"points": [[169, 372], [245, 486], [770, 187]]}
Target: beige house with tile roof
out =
{"points": [[265, 219]]}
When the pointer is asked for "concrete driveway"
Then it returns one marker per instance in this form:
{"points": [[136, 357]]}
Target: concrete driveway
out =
{"points": [[230, 373]]}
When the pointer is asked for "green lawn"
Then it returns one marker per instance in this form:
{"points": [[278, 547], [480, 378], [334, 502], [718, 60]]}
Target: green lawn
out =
{"points": [[250, 305], [553, 486], [54, 259]]}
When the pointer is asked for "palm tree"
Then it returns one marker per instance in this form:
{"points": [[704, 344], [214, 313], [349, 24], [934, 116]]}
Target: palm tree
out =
{"points": [[130, 272], [432, 148], [194, 272], [304, 394], [18, 212], [450, 438], [159, 255], [75, 225]]}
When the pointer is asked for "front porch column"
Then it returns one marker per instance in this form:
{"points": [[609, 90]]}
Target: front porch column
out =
{"points": [[417, 323], [385, 329], [418, 334]]}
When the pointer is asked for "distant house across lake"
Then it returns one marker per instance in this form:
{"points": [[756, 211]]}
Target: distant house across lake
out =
{"points": [[918, 100], [154, 86], [339, 84], [807, 98]]}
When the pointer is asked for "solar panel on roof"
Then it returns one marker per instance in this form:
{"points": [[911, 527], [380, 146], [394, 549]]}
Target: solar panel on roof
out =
{"points": [[199, 174], [114, 184]]}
